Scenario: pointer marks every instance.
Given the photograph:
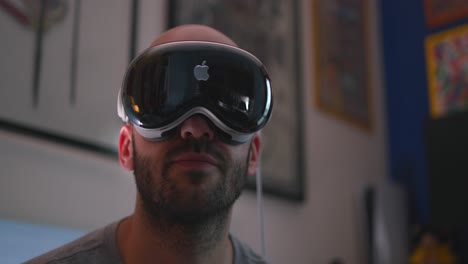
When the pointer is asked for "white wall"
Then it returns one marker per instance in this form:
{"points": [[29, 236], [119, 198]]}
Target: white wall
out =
{"points": [[49, 183]]}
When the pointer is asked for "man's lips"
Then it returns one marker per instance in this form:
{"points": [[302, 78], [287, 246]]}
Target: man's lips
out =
{"points": [[194, 160]]}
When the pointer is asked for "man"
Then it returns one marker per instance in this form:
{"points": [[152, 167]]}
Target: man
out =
{"points": [[193, 104]]}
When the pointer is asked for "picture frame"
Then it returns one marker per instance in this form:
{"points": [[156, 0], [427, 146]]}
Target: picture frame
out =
{"points": [[342, 73], [60, 76], [447, 71], [270, 31], [440, 12]]}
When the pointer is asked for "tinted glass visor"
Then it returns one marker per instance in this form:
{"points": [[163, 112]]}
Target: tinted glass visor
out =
{"points": [[224, 83]]}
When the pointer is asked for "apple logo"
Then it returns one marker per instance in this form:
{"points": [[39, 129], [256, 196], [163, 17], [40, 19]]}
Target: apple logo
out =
{"points": [[201, 72]]}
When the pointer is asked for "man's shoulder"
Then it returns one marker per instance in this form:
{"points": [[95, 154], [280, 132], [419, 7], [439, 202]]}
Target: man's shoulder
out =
{"points": [[243, 253], [82, 247], [94, 247]]}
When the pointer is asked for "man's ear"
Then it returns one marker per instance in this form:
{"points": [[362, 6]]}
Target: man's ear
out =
{"points": [[254, 160], [126, 147]]}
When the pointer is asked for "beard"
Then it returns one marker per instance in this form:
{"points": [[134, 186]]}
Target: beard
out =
{"points": [[163, 199]]}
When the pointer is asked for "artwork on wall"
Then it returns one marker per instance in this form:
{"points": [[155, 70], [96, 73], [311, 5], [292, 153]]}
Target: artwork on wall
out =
{"points": [[268, 29], [60, 76], [39, 16], [440, 12], [341, 61], [447, 71]]}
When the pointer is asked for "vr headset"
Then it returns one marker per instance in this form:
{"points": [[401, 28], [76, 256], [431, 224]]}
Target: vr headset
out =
{"points": [[168, 83]]}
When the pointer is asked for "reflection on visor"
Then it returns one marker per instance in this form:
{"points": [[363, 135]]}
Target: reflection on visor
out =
{"points": [[168, 81], [242, 104]]}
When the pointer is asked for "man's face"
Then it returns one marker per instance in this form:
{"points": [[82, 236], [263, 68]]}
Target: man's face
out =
{"points": [[190, 176]]}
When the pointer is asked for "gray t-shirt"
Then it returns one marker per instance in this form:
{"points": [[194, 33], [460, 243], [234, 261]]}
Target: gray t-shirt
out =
{"points": [[100, 247]]}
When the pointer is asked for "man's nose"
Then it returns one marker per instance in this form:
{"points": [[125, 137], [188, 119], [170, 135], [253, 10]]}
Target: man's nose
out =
{"points": [[197, 127]]}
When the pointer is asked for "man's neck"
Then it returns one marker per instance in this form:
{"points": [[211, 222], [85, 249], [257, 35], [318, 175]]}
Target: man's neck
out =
{"points": [[143, 239]]}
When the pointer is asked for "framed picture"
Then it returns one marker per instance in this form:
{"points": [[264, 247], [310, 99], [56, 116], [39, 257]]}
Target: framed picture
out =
{"points": [[269, 30], [439, 12], [60, 75], [447, 71], [341, 60]]}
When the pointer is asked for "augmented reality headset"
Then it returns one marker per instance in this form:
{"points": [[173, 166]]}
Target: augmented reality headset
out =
{"points": [[168, 83]]}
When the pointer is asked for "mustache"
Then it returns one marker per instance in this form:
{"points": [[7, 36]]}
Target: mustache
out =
{"points": [[198, 146]]}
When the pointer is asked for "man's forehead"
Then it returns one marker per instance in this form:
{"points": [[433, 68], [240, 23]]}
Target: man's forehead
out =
{"points": [[191, 33]]}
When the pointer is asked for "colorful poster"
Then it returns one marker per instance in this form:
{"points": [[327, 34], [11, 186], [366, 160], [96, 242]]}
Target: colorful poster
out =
{"points": [[447, 71]]}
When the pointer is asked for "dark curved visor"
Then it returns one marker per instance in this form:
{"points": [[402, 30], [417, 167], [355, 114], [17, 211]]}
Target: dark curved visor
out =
{"points": [[168, 83]]}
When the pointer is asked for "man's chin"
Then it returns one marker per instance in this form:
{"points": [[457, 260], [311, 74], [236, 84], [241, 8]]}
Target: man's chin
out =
{"points": [[197, 207], [195, 180], [190, 213], [196, 204]]}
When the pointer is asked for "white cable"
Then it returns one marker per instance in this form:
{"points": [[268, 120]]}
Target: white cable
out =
{"points": [[260, 210]]}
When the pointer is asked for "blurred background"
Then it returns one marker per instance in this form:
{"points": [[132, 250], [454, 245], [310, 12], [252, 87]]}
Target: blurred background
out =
{"points": [[365, 160]]}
